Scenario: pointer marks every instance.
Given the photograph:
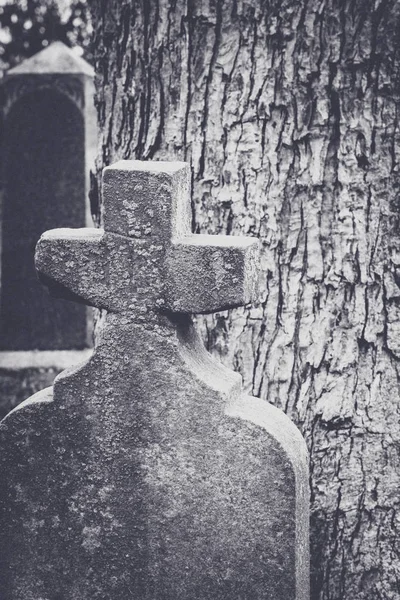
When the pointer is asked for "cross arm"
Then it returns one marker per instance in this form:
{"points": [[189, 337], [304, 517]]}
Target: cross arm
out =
{"points": [[70, 262], [207, 273]]}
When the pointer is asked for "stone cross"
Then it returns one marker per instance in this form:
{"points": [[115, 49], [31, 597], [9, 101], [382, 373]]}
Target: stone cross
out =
{"points": [[49, 144], [146, 473]]}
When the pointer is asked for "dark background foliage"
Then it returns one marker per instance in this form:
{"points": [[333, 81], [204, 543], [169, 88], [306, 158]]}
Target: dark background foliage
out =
{"points": [[28, 26]]}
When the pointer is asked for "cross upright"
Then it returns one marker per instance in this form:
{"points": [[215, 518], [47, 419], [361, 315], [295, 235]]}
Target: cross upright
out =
{"points": [[146, 472], [146, 259]]}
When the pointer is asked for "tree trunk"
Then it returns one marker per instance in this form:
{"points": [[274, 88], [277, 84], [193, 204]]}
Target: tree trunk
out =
{"points": [[288, 113]]}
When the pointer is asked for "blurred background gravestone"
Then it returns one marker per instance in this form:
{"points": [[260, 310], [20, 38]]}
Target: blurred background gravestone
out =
{"points": [[49, 145]]}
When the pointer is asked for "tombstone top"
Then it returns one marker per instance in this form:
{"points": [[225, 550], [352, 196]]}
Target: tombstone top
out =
{"points": [[150, 166], [147, 259], [56, 58]]}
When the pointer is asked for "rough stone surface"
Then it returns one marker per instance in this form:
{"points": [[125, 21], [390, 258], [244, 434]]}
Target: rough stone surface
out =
{"points": [[45, 169], [24, 373], [228, 272], [147, 473]]}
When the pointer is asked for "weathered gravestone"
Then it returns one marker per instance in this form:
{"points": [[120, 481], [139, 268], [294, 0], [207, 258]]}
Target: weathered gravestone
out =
{"points": [[49, 142], [145, 473]]}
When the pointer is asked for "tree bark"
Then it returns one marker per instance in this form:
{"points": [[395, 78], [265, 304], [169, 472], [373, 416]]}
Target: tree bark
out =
{"points": [[288, 112]]}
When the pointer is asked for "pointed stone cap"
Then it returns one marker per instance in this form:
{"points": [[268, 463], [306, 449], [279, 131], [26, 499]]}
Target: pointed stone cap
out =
{"points": [[56, 58]]}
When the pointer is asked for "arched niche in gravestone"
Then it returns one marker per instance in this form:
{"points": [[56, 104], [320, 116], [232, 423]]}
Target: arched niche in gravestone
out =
{"points": [[44, 187]]}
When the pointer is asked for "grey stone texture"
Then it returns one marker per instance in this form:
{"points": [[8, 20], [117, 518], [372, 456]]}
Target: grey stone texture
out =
{"points": [[24, 373], [145, 472], [56, 58], [48, 146]]}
